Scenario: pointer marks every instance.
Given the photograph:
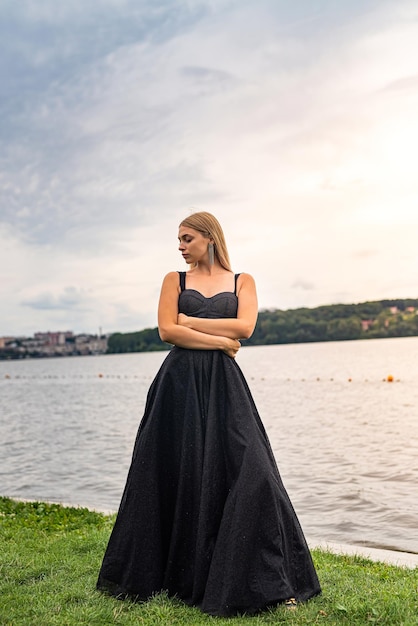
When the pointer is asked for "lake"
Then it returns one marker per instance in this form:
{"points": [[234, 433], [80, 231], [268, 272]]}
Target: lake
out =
{"points": [[345, 439]]}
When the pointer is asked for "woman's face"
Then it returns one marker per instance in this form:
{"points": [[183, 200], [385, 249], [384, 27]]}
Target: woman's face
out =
{"points": [[193, 245]]}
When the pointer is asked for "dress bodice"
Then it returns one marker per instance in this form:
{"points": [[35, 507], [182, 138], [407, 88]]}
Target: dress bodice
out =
{"points": [[195, 304]]}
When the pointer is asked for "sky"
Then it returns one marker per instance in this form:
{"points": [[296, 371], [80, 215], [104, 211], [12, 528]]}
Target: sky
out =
{"points": [[294, 123]]}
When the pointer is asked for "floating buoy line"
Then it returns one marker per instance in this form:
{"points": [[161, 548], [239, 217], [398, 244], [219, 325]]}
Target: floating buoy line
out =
{"points": [[77, 376], [388, 379]]}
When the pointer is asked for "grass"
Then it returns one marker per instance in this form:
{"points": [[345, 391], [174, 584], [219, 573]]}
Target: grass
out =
{"points": [[50, 556]]}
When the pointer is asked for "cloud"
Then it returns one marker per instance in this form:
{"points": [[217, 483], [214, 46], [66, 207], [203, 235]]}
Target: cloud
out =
{"points": [[77, 136], [305, 285], [407, 83], [207, 81], [69, 298], [294, 123]]}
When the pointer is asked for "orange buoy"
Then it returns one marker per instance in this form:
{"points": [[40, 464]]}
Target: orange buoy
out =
{"points": [[389, 378]]}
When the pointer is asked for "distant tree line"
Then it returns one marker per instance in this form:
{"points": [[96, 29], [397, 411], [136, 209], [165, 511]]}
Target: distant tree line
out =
{"points": [[335, 322], [147, 340]]}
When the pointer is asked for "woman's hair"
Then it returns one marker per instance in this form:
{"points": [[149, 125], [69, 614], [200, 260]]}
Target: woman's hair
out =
{"points": [[207, 224]]}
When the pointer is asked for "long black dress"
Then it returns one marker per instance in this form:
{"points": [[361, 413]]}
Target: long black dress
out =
{"points": [[204, 514]]}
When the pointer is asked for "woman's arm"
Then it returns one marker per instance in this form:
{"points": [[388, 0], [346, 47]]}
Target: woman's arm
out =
{"points": [[172, 332], [240, 327]]}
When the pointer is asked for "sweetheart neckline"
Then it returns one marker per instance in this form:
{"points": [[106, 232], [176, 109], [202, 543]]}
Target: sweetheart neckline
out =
{"points": [[220, 293]]}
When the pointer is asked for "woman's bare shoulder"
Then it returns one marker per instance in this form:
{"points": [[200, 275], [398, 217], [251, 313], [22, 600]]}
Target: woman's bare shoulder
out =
{"points": [[171, 276], [243, 277], [245, 282], [171, 281]]}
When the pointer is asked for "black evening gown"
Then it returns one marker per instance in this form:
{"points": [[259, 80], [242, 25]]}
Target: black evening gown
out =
{"points": [[204, 514]]}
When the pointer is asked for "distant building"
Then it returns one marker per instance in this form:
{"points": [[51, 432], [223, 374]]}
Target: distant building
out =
{"points": [[50, 344], [365, 324], [4, 341], [54, 339]]}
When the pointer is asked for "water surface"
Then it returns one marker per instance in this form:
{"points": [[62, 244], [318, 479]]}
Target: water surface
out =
{"points": [[344, 438]]}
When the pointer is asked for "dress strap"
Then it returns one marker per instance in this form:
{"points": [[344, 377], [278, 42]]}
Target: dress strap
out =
{"points": [[182, 276], [182, 281], [236, 278]]}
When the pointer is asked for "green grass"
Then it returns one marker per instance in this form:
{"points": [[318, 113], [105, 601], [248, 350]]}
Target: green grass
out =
{"points": [[50, 556]]}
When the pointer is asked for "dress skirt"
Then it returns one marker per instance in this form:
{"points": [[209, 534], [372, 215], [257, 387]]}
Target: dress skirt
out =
{"points": [[204, 514]]}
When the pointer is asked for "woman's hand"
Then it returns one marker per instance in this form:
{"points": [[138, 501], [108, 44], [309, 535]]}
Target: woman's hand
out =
{"points": [[231, 347], [182, 319]]}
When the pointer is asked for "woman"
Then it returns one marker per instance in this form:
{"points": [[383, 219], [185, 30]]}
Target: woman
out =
{"points": [[204, 514]]}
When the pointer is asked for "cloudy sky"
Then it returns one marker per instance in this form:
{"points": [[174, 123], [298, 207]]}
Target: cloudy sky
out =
{"points": [[295, 123]]}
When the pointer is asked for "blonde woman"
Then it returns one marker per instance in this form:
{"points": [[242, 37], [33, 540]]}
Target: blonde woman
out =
{"points": [[204, 515]]}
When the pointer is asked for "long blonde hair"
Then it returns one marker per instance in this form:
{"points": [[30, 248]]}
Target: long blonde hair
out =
{"points": [[208, 226]]}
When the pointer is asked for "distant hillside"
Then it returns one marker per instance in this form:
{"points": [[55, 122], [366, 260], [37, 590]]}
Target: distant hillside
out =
{"points": [[147, 340], [335, 322]]}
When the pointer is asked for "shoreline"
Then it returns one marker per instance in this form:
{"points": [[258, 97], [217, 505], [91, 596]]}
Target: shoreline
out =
{"points": [[390, 557]]}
